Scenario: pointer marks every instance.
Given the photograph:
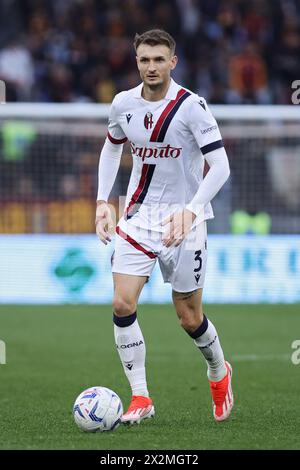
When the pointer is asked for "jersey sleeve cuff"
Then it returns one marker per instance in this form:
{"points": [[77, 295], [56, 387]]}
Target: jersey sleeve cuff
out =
{"points": [[197, 209], [116, 141]]}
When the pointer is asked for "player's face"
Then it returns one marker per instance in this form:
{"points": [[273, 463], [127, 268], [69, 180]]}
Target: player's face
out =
{"points": [[155, 64]]}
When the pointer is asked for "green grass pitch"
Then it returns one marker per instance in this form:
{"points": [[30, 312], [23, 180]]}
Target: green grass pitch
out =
{"points": [[55, 352]]}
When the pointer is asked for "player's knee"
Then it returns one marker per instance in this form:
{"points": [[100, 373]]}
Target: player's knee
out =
{"points": [[190, 322], [123, 307]]}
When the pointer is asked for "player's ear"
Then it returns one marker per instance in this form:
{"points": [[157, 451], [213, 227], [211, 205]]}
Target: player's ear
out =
{"points": [[174, 61]]}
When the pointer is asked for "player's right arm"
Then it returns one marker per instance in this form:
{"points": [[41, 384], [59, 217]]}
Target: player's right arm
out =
{"points": [[109, 163]]}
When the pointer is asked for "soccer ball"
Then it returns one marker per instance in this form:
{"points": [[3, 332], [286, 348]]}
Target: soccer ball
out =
{"points": [[97, 409]]}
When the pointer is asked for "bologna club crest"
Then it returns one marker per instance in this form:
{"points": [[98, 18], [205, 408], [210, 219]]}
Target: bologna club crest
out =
{"points": [[148, 120]]}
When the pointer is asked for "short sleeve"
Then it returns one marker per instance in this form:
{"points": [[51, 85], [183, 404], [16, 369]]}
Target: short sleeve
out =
{"points": [[203, 126], [115, 132]]}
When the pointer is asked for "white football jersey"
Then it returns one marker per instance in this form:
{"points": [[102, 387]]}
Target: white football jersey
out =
{"points": [[169, 140]]}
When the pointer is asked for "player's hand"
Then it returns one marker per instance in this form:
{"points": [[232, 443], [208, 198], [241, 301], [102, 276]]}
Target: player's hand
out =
{"points": [[104, 222], [177, 226]]}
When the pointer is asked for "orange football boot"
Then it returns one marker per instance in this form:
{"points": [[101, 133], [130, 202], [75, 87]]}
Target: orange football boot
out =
{"points": [[222, 395], [139, 408]]}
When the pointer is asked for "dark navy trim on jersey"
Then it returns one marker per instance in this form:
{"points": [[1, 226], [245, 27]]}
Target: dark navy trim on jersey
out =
{"points": [[167, 115], [213, 146], [124, 321], [167, 122], [141, 192], [201, 330]]}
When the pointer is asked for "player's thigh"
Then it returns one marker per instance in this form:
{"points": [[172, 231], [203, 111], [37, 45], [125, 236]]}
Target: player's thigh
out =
{"points": [[127, 287], [132, 265]]}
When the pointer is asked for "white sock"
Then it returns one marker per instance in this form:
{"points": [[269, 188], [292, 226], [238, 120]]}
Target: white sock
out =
{"points": [[209, 344], [132, 351]]}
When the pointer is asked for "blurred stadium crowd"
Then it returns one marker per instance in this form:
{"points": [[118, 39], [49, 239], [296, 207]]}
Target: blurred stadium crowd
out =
{"points": [[231, 51]]}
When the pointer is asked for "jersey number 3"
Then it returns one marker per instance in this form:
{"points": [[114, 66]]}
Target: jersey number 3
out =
{"points": [[198, 268], [199, 259]]}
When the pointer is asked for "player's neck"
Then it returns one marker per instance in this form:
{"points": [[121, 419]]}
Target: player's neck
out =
{"points": [[155, 93]]}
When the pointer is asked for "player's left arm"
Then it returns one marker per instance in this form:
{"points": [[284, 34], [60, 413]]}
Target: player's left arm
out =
{"points": [[207, 134], [213, 181]]}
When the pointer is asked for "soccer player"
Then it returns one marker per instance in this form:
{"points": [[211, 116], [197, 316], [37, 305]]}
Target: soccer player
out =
{"points": [[171, 131]]}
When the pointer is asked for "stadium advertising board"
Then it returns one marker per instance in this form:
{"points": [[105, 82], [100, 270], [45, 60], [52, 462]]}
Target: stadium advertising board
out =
{"points": [[76, 269]]}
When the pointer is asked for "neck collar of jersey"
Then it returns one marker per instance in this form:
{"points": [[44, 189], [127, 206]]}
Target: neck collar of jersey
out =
{"points": [[170, 95]]}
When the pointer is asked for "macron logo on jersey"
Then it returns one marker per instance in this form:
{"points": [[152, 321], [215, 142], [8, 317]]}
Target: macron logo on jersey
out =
{"points": [[165, 151]]}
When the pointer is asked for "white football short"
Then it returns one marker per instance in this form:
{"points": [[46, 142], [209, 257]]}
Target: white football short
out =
{"points": [[137, 249]]}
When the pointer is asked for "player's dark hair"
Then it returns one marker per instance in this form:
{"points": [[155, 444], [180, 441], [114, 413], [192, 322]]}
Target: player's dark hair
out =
{"points": [[155, 37]]}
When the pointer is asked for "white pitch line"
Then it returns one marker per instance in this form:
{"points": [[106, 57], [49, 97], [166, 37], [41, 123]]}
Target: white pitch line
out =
{"points": [[261, 357]]}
